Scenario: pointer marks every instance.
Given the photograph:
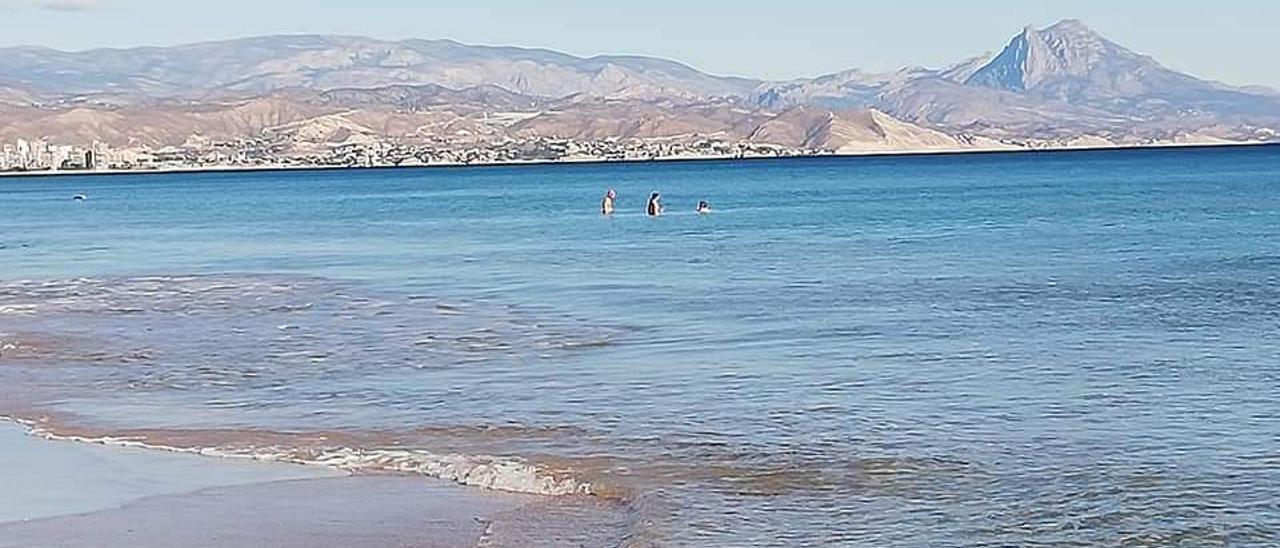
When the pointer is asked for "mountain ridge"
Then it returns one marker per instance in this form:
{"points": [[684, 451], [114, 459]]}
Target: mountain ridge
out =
{"points": [[1058, 86], [263, 64]]}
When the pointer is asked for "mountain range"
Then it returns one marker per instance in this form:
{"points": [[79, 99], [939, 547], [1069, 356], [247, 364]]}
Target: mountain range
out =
{"points": [[1064, 85]]}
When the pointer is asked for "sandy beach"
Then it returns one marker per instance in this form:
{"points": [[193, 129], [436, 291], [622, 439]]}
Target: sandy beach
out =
{"points": [[68, 494]]}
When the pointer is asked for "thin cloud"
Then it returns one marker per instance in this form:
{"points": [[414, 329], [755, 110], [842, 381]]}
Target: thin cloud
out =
{"points": [[51, 5], [68, 5]]}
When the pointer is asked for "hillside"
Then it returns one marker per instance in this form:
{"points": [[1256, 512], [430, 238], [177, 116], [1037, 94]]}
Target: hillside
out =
{"points": [[273, 63], [1064, 85], [1062, 82]]}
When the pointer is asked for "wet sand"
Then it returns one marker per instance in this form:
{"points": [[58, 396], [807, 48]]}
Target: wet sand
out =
{"points": [[44, 478], [347, 511], [67, 494]]}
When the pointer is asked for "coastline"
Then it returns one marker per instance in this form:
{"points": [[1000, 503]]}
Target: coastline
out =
{"points": [[81, 493], [599, 161], [46, 478]]}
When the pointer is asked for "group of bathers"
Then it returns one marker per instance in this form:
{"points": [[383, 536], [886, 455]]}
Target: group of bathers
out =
{"points": [[652, 208]]}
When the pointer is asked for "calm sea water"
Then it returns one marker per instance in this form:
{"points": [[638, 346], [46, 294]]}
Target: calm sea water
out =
{"points": [[1011, 349]]}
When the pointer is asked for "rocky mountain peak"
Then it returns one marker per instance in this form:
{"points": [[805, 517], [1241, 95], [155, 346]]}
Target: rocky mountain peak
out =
{"points": [[1034, 57], [1077, 47]]}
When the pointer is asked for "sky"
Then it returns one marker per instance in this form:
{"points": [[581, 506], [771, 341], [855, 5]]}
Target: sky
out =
{"points": [[1226, 40]]}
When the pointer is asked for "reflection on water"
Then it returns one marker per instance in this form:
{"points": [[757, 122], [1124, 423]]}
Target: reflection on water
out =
{"points": [[1064, 350]]}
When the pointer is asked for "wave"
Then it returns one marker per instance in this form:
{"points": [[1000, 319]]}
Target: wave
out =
{"points": [[510, 474], [234, 340]]}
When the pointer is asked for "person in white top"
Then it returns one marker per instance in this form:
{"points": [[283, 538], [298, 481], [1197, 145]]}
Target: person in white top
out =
{"points": [[606, 205]]}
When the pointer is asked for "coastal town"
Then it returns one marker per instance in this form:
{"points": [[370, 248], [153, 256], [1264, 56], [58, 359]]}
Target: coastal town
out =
{"points": [[32, 156]]}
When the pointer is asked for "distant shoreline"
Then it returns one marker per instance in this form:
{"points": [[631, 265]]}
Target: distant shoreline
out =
{"points": [[674, 159]]}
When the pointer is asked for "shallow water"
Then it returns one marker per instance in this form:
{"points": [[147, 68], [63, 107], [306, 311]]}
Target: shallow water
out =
{"points": [[1062, 349]]}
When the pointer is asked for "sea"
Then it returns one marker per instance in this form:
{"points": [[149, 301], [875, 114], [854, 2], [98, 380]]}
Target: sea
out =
{"points": [[1010, 349]]}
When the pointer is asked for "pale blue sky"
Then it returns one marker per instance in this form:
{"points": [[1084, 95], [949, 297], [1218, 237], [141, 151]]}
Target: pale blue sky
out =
{"points": [[1228, 40]]}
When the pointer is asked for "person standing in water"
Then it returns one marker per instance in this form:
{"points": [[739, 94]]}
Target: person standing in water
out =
{"points": [[654, 207], [606, 205]]}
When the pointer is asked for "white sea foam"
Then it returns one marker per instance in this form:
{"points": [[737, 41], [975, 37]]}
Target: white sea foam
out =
{"points": [[18, 309], [510, 474]]}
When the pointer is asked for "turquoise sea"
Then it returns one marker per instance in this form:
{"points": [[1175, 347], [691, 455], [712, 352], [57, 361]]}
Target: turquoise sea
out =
{"points": [[1057, 349]]}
